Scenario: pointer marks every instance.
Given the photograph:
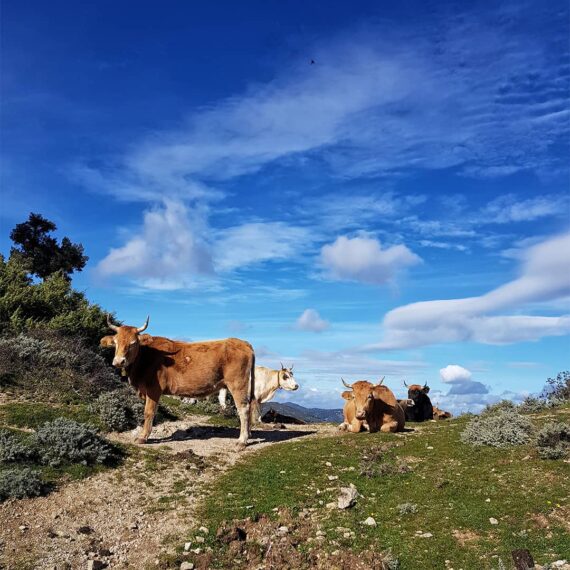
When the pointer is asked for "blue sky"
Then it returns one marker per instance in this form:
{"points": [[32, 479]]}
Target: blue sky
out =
{"points": [[400, 207]]}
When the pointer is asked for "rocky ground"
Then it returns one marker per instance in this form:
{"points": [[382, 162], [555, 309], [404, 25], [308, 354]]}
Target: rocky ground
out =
{"points": [[122, 517]]}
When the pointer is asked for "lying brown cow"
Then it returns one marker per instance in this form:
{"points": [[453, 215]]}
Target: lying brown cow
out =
{"points": [[158, 365], [371, 405], [440, 414]]}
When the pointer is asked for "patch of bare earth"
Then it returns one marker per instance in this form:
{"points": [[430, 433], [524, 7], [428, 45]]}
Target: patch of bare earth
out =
{"points": [[121, 517]]}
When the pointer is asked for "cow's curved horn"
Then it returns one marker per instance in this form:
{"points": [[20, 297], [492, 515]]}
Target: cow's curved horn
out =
{"points": [[111, 325], [291, 367], [282, 367], [405, 384], [143, 328], [425, 385], [381, 381], [346, 384]]}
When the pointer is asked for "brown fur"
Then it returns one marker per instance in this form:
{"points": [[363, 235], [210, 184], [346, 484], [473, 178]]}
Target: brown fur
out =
{"points": [[372, 405], [158, 365], [440, 414]]}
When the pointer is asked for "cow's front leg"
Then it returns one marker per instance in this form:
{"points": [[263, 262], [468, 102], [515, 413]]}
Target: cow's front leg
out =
{"points": [[355, 426], [389, 427], [149, 411]]}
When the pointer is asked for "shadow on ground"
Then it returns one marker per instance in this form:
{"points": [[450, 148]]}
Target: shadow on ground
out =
{"points": [[207, 432]]}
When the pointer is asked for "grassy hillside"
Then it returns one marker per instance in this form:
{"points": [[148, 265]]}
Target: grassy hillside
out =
{"points": [[432, 498]]}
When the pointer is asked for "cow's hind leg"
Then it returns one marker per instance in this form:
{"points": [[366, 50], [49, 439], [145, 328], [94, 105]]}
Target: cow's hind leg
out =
{"points": [[241, 398], [389, 427], [149, 411], [222, 395]]}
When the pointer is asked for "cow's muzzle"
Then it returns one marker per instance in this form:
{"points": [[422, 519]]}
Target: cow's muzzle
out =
{"points": [[361, 415]]}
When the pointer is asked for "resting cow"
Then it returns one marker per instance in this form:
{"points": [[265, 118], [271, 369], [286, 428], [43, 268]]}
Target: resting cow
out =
{"points": [[267, 382], [158, 365], [440, 414], [422, 409], [371, 405]]}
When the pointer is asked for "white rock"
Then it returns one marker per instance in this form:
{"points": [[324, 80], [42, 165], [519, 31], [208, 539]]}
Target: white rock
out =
{"points": [[187, 546], [328, 464], [487, 500], [493, 520], [321, 533], [186, 566], [369, 522], [203, 529], [200, 539], [429, 447], [330, 505], [283, 529], [347, 497], [333, 477]]}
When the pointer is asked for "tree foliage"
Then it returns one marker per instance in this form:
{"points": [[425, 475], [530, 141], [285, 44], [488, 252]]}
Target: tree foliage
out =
{"points": [[40, 253]]}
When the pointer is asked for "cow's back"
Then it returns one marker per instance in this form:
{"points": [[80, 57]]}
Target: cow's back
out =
{"points": [[197, 368]]}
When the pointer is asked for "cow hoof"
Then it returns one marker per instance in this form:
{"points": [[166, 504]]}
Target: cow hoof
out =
{"points": [[241, 446], [140, 440]]}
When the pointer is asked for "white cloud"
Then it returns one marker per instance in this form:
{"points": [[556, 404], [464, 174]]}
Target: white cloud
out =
{"points": [[167, 253], [510, 208], [311, 321], [545, 276], [251, 243], [363, 259], [454, 373]]}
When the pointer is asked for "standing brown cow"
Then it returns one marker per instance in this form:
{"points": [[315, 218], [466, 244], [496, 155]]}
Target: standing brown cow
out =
{"points": [[158, 365], [371, 404]]}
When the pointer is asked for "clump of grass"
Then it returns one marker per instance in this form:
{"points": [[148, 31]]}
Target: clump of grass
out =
{"points": [[553, 441], [407, 508], [504, 428], [65, 441], [20, 483]]}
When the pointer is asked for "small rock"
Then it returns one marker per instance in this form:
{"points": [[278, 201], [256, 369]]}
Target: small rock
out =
{"points": [[347, 497], [204, 530], [487, 500], [23, 528], [133, 526], [85, 530], [331, 505], [186, 566], [493, 520], [369, 522], [187, 546], [196, 550], [429, 447], [321, 533], [200, 539], [333, 477], [328, 464], [283, 530], [282, 472]]}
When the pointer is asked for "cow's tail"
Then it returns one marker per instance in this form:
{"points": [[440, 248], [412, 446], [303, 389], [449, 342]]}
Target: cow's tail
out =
{"points": [[255, 406]]}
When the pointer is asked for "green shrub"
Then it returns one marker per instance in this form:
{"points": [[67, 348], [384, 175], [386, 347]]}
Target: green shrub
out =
{"points": [[503, 428], [532, 405], [65, 441], [553, 441], [13, 448], [20, 483], [499, 406], [558, 389], [119, 410]]}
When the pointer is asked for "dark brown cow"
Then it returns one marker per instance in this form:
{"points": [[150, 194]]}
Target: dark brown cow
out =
{"points": [[158, 365], [373, 405], [422, 410]]}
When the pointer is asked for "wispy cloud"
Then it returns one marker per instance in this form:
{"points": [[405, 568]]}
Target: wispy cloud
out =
{"points": [[545, 276]]}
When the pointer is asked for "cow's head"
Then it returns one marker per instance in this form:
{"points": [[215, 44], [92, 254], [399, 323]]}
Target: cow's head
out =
{"points": [[415, 391], [127, 342], [363, 396], [286, 379]]}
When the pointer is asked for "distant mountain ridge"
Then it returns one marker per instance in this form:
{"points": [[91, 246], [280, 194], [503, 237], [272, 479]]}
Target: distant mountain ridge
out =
{"points": [[309, 415]]}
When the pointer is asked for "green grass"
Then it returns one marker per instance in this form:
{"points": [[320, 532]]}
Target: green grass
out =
{"points": [[450, 484], [33, 415]]}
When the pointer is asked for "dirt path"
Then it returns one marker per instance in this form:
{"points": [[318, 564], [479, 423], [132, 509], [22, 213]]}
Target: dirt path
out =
{"points": [[122, 516]]}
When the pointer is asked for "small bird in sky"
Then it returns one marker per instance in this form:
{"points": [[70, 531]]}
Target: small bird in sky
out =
{"points": [[313, 62]]}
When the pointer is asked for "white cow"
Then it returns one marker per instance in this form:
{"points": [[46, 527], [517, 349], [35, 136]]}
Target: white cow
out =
{"points": [[267, 382]]}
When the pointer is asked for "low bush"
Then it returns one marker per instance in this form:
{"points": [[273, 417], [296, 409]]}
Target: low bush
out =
{"points": [[558, 389], [532, 405], [553, 441], [119, 410], [20, 483], [13, 448], [503, 428], [499, 406], [66, 441]]}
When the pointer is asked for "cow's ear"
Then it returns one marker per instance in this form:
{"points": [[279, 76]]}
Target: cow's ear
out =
{"points": [[145, 339], [347, 395], [426, 390], [107, 341]]}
